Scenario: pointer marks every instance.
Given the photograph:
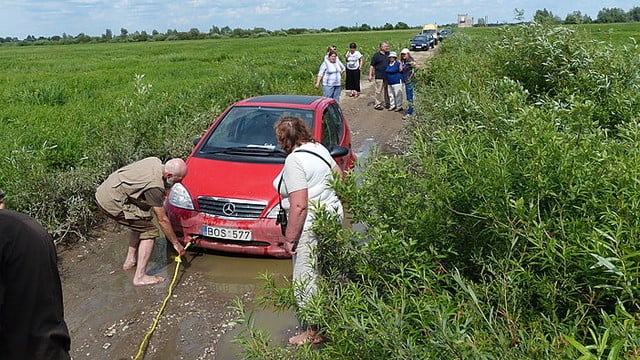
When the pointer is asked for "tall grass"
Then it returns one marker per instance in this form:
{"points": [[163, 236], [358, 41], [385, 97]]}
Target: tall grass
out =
{"points": [[509, 228]]}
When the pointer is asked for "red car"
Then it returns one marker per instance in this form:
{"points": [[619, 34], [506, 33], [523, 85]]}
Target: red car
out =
{"points": [[227, 201]]}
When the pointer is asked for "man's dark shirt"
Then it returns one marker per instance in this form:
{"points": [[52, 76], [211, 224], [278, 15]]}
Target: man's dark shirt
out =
{"points": [[32, 322], [379, 62]]}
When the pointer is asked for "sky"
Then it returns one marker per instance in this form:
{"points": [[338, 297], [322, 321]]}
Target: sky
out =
{"points": [[20, 18]]}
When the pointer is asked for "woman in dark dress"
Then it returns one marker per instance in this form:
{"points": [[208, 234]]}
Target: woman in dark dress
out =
{"points": [[353, 58]]}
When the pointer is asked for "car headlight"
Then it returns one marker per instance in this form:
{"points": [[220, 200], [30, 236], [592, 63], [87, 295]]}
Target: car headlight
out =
{"points": [[179, 197], [273, 213]]}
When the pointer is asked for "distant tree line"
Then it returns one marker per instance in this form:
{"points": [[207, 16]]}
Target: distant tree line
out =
{"points": [[606, 15], [193, 34]]}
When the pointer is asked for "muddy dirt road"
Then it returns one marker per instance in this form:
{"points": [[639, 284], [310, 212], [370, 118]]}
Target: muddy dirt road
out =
{"points": [[108, 317]]}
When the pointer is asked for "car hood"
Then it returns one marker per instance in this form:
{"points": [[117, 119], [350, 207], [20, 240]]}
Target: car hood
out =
{"points": [[226, 179]]}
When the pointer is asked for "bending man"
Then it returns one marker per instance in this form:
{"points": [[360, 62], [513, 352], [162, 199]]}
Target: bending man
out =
{"points": [[131, 196]]}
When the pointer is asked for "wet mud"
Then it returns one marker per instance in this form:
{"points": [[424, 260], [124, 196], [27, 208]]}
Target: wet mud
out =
{"points": [[108, 317]]}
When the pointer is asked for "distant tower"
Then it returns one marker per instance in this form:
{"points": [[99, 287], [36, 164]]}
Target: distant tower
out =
{"points": [[464, 21]]}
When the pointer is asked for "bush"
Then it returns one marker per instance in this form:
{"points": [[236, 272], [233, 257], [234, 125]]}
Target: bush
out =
{"points": [[509, 227]]}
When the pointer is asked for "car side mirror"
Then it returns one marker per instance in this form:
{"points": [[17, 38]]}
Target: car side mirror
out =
{"points": [[338, 151], [196, 141]]}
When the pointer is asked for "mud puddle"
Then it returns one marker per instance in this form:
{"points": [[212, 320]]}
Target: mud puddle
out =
{"points": [[108, 317]]}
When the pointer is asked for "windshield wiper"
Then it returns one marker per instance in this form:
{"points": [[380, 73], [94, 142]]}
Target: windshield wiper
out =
{"points": [[265, 147], [247, 150]]}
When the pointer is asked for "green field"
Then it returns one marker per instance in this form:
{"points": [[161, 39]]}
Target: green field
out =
{"points": [[53, 92], [71, 114], [508, 228]]}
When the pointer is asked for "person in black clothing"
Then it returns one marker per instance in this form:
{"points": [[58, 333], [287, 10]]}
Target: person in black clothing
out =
{"points": [[353, 59], [32, 322], [377, 72]]}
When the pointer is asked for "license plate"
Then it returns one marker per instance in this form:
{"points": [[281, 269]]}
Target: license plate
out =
{"points": [[224, 233]]}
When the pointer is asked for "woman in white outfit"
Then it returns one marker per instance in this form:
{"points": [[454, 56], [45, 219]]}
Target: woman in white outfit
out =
{"points": [[330, 74], [303, 185]]}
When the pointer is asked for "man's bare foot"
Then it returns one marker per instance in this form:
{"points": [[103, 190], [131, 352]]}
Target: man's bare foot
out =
{"points": [[128, 265], [306, 337], [148, 280]]}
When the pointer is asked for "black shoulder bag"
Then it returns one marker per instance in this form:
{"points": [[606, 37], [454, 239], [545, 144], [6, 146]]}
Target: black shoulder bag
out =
{"points": [[281, 219]]}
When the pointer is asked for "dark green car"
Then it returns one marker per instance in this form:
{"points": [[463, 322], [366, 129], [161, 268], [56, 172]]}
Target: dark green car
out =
{"points": [[422, 42]]}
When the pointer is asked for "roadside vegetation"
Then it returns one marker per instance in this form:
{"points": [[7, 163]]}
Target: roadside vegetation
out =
{"points": [[509, 227]]}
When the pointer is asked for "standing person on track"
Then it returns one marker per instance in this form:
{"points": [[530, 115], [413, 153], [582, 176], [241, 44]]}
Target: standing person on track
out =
{"points": [[330, 74], [394, 82], [353, 57], [304, 186], [131, 196], [377, 74], [333, 48], [408, 77]]}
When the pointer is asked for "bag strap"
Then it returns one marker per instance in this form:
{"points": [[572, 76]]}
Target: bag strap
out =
{"points": [[279, 194], [281, 177], [321, 158]]}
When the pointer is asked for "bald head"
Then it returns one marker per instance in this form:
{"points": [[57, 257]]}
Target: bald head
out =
{"points": [[175, 170]]}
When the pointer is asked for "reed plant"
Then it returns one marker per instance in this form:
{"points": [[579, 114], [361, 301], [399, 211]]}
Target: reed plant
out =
{"points": [[508, 228]]}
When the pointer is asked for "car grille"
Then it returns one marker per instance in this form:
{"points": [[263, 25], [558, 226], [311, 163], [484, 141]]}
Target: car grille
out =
{"points": [[231, 208]]}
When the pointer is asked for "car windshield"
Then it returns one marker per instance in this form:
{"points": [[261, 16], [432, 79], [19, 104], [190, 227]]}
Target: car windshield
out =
{"points": [[249, 130], [419, 38]]}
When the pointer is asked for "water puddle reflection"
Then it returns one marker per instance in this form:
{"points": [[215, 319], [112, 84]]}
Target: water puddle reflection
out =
{"points": [[238, 275]]}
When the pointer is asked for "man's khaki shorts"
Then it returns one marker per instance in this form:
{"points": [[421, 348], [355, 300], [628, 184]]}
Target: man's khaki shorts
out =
{"points": [[146, 228]]}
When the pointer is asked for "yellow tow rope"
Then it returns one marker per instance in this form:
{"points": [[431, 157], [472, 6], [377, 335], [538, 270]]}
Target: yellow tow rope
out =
{"points": [[145, 341]]}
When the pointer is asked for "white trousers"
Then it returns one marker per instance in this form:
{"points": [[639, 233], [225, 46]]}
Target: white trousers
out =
{"points": [[304, 268], [396, 95]]}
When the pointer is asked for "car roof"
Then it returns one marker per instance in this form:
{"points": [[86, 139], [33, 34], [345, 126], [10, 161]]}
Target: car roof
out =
{"points": [[282, 99]]}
